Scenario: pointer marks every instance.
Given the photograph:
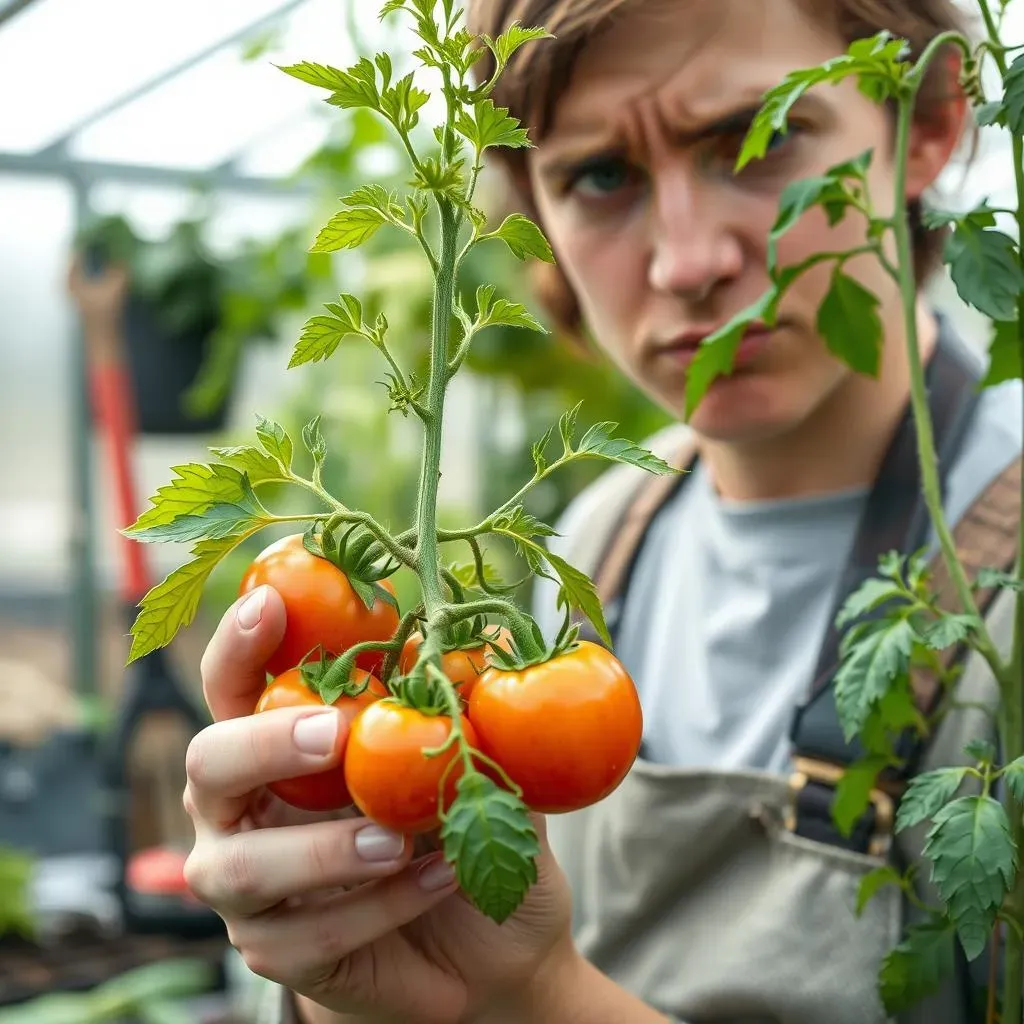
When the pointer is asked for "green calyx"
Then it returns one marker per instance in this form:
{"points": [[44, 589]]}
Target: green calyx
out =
{"points": [[357, 554]]}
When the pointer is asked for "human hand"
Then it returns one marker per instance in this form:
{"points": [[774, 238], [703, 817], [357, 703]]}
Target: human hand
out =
{"points": [[336, 909], [100, 296]]}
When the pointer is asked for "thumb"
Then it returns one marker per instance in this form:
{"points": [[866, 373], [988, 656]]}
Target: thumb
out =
{"points": [[233, 663]]}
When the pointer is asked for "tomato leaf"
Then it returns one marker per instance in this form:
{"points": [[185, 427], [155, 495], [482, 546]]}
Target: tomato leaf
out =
{"points": [[491, 312], [276, 442], [873, 883], [215, 522], [1013, 773], [322, 76], [355, 87], [521, 525], [580, 593], [853, 793], [983, 751], [523, 237], [879, 656], [348, 229], [848, 321], [510, 41], [717, 352], [489, 125], [984, 266], [315, 443], [172, 604], [988, 578], [1005, 358], [257, 465], [917, 967], [927, 794], [490, 841], [948, 630], [194, 489], [974, 862], [1013, 99], [598, 442], [870, 595]]}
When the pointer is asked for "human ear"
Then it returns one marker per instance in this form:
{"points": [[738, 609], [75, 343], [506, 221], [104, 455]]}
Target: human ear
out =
{"points": [[937, 129]]}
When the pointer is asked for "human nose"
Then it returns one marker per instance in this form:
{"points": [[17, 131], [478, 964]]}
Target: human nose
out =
{"points": [[693, 250]]}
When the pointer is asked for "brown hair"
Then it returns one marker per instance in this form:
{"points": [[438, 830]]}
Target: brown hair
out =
{"points": [[539, 73]]}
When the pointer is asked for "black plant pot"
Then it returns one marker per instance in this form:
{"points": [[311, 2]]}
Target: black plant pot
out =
{"points": [[162, 366]]}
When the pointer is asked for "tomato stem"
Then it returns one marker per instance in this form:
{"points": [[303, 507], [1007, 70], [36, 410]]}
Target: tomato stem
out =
{"points": [[451, 698], [524, 630], [405, 628]]}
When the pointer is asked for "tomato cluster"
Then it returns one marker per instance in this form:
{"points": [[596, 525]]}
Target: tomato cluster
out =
{"points": [[565, 731]]}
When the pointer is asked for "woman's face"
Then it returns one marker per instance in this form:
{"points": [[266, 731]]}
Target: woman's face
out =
{"points": [[663, 243]]}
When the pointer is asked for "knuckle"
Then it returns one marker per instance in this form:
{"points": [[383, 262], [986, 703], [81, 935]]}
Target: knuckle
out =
{"points": [[238, 871], [197, 876], [197, 760], [188, 802]]}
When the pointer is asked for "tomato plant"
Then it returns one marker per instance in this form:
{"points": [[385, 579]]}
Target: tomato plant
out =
{"points": [[565, 731], [390, 777], [326, 790], [463, 664], [324, 609]]}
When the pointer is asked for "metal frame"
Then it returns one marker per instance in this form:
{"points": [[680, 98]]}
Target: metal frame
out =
{"points": [[56, 161]]}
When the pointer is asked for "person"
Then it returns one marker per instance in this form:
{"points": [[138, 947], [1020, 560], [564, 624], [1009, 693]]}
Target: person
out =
{"points": [[687, 895]]}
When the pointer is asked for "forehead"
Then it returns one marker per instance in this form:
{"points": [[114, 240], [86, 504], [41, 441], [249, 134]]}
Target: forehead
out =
{"points": [[691, 57]]}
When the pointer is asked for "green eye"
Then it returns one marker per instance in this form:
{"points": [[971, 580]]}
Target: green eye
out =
{"points": [[602, 175]]}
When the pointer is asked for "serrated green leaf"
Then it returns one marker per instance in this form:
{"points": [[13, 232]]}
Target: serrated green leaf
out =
{"points": [[873, 883], [918, 966], [848, 320], [511, 40], [1013, 99], [538, 449], [984, 267], [988, 578], [949, 630], [402, 102], [217, 521], [257, 465], [598, 442], [983, 751], [1013, 774], [491, 126], [194, 489], [488, 837], [315, 442], [717, 353], [521, 523], [881, 654], [989, 114], [348, 229], [275, 441], [511, 314], [321, 75], [320, 339], [523, 238], [580, 593], [869, 596], [390, 7], [889, 719], [927, 794], [853, 792], [796, 199], [567, 426], [974, 863], [356, 87], [1006, 358], [376, 197], [349, 310], [171, 604], [981, 216]]}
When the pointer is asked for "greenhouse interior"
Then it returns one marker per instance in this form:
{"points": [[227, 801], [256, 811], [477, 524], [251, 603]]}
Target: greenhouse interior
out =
{"points": [[170, 143]]}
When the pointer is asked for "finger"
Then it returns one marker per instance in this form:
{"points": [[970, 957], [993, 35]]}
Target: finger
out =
{"points": [[303, 945], [247, 873], [233, 663], [229, 761]]}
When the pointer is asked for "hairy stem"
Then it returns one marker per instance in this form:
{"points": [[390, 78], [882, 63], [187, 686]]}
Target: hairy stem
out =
{"points": [[427, 556]]}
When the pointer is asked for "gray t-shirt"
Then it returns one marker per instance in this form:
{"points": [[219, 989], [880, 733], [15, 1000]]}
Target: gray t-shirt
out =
{"points": [[729, 602]]}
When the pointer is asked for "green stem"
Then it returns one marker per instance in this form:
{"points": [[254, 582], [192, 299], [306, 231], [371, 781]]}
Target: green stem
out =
{"points": [[520, 626], [427, 554], [405, 628], [927, 456]]}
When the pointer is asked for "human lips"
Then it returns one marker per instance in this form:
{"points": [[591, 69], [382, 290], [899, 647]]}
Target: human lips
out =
{"points": [[682, 349]]}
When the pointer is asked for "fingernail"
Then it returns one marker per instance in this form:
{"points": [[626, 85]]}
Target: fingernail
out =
{"points": [[438, 874], [250, 611], [315, 734], [377, 844]]}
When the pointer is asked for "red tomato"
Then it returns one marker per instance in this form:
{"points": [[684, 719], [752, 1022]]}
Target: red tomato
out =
{"points": [[326, 790], [321, 605], [462, 666], [566, 730], [390, 779]]}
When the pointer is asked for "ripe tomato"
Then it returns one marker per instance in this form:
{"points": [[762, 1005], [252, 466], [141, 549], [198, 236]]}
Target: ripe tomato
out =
{"points": [[326, 790], [390, 779], [462, 666], [321, 606], [566, 730]]}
